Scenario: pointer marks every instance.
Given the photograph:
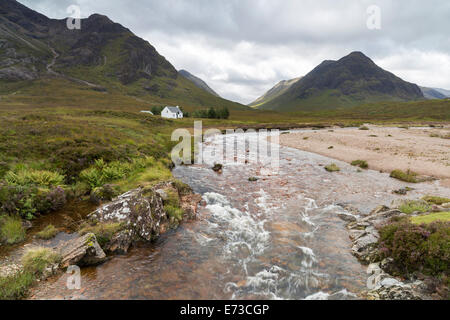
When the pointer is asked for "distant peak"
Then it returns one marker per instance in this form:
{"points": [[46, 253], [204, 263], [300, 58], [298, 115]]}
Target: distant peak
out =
{"points": [[99, 17], [357, 55]]}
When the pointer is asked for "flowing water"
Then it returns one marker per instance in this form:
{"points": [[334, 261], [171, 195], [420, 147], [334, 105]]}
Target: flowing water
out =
{"points": [[277, 238]]}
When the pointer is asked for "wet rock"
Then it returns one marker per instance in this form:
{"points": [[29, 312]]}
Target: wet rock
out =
{"points": [[403, 191], [379, 209], [218, 168], [27, 224], [365, 248], [140, 210], [83, 251], [347, 217], [189, 204], [446, 205], [394, 292], [120, 243], [142, 214]]}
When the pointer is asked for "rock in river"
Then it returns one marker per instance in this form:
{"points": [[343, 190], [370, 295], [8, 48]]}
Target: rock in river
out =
{"points": [[83, 251]]}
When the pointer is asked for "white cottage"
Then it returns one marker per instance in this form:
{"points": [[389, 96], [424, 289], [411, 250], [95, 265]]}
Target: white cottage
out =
{"points": [[172, 113]]}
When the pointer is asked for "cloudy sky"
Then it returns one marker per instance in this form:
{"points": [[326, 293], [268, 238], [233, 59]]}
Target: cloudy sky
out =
{"points": [[242, 48]]}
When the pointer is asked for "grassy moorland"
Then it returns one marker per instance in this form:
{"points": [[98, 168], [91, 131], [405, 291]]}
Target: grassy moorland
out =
{"points": [[61, 140]]}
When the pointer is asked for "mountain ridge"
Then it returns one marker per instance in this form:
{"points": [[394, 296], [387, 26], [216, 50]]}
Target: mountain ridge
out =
{"points": [[197, 81], [103, 54], [353, 80], [280, 88]]}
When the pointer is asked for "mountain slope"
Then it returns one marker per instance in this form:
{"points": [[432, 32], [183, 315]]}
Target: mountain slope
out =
{"points": [[443, 91], [198, 82], [280, 88], [431, 93], [103, 56], [351, 81]]}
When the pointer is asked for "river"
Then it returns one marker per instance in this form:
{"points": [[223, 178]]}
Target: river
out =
{"points": [[276, 238]]}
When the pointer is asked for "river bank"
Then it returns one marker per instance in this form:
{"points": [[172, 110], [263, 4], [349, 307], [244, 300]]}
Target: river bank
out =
{"points": [[422, 150], [279, 237]]}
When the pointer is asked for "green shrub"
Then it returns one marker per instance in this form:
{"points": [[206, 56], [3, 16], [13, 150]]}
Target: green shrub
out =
{"points": [[174, 212], [101, 173], [436, 200], [430, 218], [16, 286], [364, 128], [11, 230], [49, 232], [412, 206], [103, 231], [360, 163], [182, 188], [36, 260], [173, 198], [26, 201], [424, 248], [407, 176], [332, 168], [29, 177]]}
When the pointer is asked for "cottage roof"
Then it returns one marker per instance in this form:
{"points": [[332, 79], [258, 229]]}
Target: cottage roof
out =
{"points": [[173, 109]]}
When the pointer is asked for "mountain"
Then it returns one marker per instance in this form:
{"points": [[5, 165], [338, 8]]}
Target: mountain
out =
{"points": [[431, 93], [350, 81], [103, 56], [276, 91], [197, 81], [443, 91]]}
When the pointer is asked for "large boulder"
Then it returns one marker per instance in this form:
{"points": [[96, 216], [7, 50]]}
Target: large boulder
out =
{"points": [[83, 251], [142, 214], [141, 211]]}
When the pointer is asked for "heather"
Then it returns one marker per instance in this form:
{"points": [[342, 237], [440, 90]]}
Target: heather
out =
{"points": [[421, 248]]}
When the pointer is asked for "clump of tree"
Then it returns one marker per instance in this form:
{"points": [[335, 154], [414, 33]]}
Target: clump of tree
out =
{"points": [[156, 110], [212, 113]]}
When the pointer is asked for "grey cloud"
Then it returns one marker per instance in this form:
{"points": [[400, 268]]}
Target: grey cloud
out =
{"points": [[243, 47]]}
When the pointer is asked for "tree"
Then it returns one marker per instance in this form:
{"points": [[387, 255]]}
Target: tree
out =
{"points": [[157, 110], [212, 113]]}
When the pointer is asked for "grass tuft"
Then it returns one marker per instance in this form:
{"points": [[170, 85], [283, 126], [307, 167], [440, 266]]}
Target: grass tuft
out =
{"points": [[436, 200], [16, 286], [407, 176], [332, 168], [37, 259], [11, 230], [360, 163], [102, 231], [412, 206], [430, 218], [48, 233]]}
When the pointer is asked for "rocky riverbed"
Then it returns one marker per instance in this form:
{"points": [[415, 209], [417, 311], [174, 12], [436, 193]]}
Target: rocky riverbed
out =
{"points": [[284, 235]]}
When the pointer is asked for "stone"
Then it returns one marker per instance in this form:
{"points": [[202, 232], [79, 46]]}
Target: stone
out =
{"points": [[120, 243], [83, 251], [347, 217], [143, 217], [163, 194], [379, 209], [27, 224]]}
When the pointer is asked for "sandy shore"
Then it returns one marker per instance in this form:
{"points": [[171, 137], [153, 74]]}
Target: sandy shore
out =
{"points": [[422, 150]]}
